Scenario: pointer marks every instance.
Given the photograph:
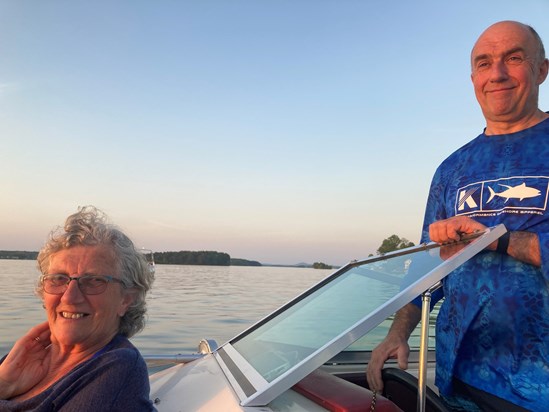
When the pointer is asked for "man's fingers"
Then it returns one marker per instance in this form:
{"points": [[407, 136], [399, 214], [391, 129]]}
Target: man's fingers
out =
{"points": [[373, 375], [451, 229], [374, 379], [402, 355]]}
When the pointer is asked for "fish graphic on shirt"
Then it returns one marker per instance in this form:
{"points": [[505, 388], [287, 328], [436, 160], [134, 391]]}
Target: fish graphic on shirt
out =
{"points": [[514, 192]]}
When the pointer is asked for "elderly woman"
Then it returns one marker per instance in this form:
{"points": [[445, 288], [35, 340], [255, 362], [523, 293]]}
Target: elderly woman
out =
{"points": [[93, 287]]}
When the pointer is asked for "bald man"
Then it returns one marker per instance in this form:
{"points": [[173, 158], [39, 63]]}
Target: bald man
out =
{"points": [[493, 325]]}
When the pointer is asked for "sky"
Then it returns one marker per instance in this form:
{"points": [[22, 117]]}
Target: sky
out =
{"points": [[281, 131]]}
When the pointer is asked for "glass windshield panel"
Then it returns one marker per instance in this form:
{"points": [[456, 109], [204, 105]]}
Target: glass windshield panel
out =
{"points": [[369, 341], [330, 309]]}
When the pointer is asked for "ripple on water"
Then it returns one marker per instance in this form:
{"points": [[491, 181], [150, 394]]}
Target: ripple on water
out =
{"points": [[187, 303]]}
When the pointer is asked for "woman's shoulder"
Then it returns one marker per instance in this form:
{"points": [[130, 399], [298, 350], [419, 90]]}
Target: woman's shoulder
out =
{"points": [[120, 342], [122, 350], [118, 357]]}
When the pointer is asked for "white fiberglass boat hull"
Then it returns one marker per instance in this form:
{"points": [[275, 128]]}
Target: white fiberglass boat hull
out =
{"points": [[201, 385]]}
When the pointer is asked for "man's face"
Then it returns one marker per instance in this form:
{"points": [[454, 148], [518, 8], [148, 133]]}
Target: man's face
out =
{"points": [[507, 72]]}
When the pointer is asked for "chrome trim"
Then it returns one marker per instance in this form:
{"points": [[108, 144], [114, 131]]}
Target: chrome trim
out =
{"points": [[239, 372], [424, 346], [161, 360]]}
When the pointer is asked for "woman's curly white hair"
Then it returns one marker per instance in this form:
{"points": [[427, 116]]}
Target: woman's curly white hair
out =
{"points": [[90, 227]]}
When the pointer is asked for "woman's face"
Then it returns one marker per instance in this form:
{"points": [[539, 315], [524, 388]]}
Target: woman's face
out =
{"points": [[83, 322]]}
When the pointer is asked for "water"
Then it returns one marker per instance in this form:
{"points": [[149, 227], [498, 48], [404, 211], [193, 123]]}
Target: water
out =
{"points": [[187, 303]]}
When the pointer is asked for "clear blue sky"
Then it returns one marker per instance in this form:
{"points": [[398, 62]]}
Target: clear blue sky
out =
{"points": [[280, 131]]}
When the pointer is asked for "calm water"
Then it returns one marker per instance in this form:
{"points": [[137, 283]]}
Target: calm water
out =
{"points": [[187, 303]]}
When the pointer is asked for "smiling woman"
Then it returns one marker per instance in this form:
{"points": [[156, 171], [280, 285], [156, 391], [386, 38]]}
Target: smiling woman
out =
{"points": [[82, 353]]}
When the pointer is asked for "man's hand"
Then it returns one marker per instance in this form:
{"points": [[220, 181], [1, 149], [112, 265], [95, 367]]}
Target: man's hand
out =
{"points": [[27, 363], [523, 246], [394, 346], [391, 348], [452, 229]]}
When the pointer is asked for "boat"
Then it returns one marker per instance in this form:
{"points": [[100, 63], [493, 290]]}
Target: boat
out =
{"points": [[149, 256], [311, 353]]}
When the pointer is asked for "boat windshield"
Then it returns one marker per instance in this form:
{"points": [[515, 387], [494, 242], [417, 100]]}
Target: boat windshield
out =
{"points": [[283, 348]]}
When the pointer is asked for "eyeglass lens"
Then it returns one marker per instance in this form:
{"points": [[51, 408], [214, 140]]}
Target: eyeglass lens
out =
{"points": [[88, 284]]}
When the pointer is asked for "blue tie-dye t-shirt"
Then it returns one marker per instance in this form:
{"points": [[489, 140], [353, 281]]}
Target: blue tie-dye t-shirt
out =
{"points": [[493, 326]]}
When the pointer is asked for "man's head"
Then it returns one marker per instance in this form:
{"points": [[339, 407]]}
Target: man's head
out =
{"points": [[508, 65]]}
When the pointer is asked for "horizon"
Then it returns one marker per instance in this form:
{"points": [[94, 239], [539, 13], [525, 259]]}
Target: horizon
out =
{"points": [[293, 131], [296, 264]]}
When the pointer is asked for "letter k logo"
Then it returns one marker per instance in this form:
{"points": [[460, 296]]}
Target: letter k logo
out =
{"points": [[465, 197]]}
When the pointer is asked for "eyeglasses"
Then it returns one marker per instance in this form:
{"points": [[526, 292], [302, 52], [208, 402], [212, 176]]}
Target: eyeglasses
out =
{"points": [[57, 284]]}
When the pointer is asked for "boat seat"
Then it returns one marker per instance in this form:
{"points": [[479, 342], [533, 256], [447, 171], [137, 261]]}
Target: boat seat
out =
{"points": [[338, 395]]}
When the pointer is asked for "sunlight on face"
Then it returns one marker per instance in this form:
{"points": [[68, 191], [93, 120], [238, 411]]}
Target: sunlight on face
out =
{"points": [[506, 73], [85, 321]]}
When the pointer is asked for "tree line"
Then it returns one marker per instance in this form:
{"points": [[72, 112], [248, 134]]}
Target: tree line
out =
{"points": [[18, 255], [213, 258], [169, 258], [205, 257]]}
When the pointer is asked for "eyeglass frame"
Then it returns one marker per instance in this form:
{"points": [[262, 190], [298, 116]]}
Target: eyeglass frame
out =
{"points": [[108, 278]]}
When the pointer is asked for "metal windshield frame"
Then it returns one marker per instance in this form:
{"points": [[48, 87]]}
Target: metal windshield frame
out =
{"points": [[254, 390]]}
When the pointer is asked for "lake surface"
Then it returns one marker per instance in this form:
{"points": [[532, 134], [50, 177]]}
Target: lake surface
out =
{"points": [[187, 303]]}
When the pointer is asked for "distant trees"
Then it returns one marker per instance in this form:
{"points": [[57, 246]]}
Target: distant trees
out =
{"points": [[17, 254], [193, 258], [393, 243], [212, 258], [244, 262], [320, 265]]}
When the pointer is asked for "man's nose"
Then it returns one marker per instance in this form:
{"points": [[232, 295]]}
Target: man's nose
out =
{"points": [[498, 71]]}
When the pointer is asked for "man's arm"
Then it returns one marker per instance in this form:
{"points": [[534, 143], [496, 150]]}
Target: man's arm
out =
{"points": [[523, 246], [394, 346]]}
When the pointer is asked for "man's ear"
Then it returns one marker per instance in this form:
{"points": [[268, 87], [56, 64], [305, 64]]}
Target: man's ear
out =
{"points": [[543, 69]]}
